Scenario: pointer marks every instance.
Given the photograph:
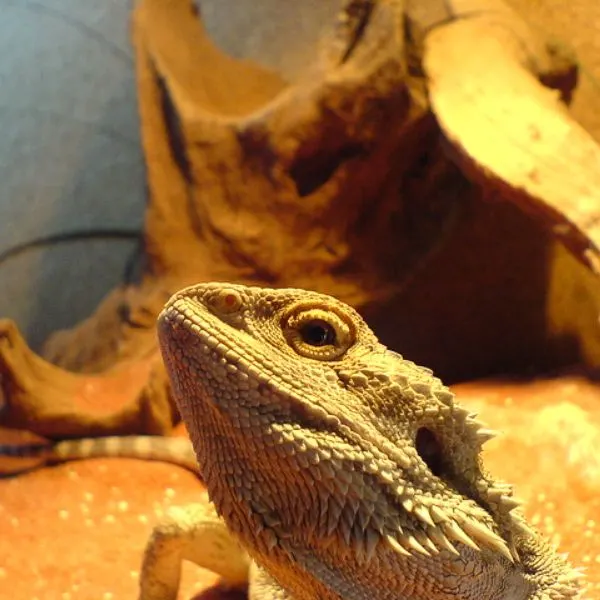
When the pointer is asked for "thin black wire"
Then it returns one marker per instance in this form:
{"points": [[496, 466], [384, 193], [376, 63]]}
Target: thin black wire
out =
{"points": [[76, 236], [82, 27]]}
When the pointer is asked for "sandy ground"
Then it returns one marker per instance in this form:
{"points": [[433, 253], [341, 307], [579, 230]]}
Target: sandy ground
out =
{"points": [[78, 530]]}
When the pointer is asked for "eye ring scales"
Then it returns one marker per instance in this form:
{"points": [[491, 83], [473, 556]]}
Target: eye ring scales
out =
{"points": [[318, 333]]}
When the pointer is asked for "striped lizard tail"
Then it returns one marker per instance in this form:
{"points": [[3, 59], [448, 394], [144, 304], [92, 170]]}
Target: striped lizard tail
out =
{"points": [[175, 450]]}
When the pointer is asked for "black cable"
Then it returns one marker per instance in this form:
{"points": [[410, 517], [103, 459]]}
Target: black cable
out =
{"points": [[74, 236]]}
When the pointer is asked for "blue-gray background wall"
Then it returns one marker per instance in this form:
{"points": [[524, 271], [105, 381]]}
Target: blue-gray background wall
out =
{"points": [[70, 157]]}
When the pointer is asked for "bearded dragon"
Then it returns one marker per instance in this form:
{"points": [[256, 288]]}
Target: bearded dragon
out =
{"points": [[335, 468]]}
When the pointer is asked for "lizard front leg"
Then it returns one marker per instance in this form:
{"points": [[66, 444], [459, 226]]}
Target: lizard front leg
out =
{"points": [[195, 533], [263, 587]]}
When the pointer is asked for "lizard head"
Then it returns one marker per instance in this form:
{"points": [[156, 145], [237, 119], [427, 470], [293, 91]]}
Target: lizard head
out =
{"points": [[313, 436]]}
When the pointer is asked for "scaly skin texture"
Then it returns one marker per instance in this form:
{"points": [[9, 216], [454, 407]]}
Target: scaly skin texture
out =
{"points": [[342, 469]]}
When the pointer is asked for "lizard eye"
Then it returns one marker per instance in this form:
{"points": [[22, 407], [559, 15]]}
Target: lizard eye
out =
{"points": [[318, 333]]}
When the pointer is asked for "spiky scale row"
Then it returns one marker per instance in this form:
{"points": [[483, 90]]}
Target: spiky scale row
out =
{"points": [[487, 537], [441, 540], [423, 514], [396, 546]]}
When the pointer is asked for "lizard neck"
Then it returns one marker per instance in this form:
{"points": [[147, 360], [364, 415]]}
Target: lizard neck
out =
{"points": [[283, 516]]}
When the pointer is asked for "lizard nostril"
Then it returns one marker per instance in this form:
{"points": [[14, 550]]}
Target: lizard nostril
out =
{"points": [[429, 449], [225, 301]]}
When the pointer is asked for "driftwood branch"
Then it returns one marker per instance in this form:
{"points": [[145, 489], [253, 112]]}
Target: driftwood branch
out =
{"points": [[345, 180], [47, 400], [511, 134]]}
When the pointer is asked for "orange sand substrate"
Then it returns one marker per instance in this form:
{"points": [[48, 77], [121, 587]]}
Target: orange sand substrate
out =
{"points": [[77, 531]]}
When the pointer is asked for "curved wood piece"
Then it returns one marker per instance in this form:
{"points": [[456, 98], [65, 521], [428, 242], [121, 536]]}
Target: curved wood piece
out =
{"points": [[263, 180], [336, 181], [54, 403], [509, 132]]}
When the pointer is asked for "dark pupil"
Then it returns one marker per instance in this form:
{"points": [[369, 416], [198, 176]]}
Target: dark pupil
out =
{"points": [[317, 333]]}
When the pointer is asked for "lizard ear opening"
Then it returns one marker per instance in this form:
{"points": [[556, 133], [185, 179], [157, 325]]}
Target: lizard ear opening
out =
{"points": [[429, 449]]}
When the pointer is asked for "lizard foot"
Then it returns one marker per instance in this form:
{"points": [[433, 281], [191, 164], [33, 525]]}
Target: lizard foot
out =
{"points": [[195, 533]]}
